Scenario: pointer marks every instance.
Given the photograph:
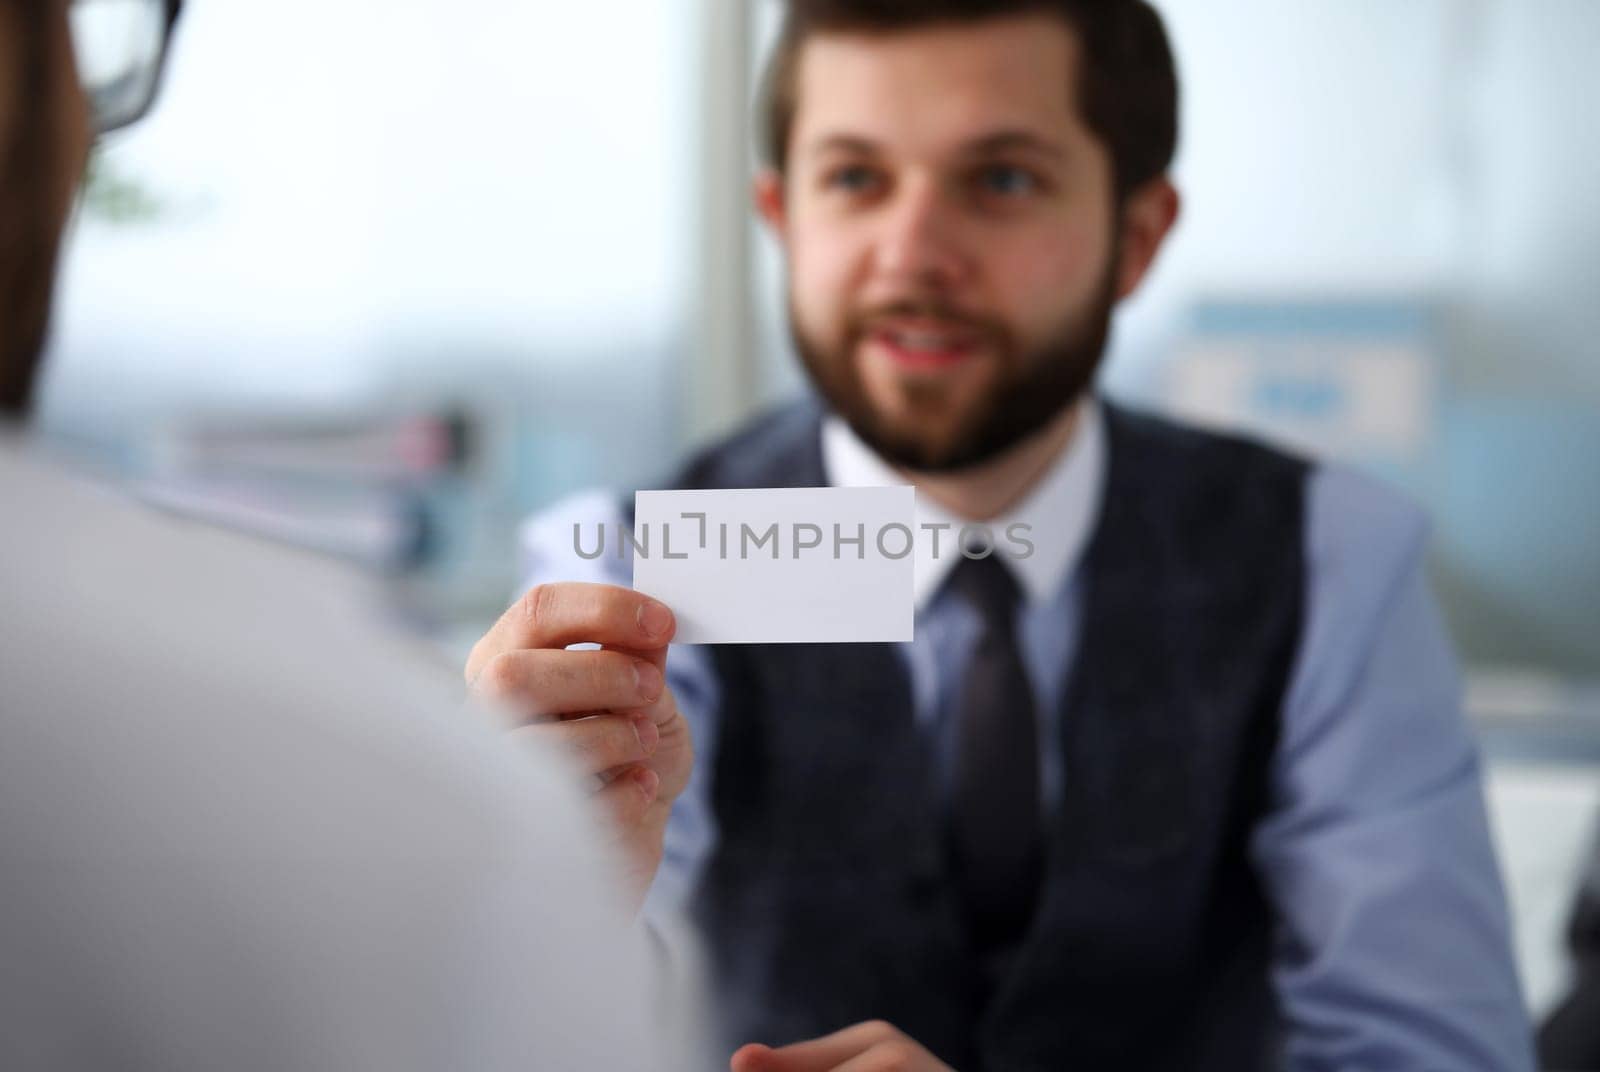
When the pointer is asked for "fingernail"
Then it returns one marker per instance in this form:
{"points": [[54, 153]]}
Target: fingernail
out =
{"points": [[648, 679], [649, 735], [648, 782], [654, 619]]}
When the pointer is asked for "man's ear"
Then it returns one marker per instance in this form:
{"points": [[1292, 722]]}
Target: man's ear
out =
{"points": [[1147, 218], [766, 194]]}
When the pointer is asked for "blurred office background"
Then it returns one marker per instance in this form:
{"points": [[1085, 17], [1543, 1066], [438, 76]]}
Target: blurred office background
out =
{"points": [[383, 277]]}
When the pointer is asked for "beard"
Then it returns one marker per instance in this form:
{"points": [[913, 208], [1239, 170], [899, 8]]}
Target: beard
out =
{"points": [[1036, 383]]}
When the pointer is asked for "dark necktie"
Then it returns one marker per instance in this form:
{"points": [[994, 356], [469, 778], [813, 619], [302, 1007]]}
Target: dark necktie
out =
{"points": [[995, 809]]}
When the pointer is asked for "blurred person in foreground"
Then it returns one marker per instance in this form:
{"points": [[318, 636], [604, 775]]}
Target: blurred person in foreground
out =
{"points": [[242, 827], [1188, 788]]}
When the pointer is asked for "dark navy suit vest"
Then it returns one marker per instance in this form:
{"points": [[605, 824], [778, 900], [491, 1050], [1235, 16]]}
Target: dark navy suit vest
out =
{"points": [[828, 900]]}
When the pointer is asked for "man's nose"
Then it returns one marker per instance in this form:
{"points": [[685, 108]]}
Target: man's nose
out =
{"points": [[920, 243]]}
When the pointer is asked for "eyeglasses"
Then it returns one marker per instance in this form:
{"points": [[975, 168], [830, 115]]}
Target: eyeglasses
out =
{"points": [[120, 47]]}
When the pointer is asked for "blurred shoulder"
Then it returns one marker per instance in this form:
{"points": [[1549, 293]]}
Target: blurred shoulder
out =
{"points": [[1357, 524], [176, 659], [1366, 563]]}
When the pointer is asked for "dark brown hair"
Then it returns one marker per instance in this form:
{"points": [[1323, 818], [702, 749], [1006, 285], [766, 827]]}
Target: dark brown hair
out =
{"points": [[28, 230], [1128, 85]]}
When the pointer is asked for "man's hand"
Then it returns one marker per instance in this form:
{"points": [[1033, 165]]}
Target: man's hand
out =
{"points": [[870, 1047], [609, 710]]}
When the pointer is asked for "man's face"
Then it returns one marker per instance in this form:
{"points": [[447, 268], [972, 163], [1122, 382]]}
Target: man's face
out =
{"points": [[949, 223], [44, 140]]}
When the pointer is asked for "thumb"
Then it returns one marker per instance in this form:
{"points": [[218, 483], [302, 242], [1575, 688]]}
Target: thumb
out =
{"points": [[754, 1057]]}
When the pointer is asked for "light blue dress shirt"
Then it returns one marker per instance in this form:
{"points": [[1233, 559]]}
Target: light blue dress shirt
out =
{"points": [[1393, 948]]}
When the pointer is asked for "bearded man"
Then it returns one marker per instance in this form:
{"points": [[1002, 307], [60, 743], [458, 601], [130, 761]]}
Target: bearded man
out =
{"points": [[1189, 786]]}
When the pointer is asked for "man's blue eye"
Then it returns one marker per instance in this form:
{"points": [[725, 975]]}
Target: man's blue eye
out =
{"points": [[1008, 181], [854, 179]]}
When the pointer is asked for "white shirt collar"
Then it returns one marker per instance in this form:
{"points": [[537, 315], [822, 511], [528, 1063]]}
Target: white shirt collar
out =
{"points": [[1061, 510]]}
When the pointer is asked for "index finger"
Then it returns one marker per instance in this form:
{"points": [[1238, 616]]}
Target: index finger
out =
{"points": [[564, 613]]}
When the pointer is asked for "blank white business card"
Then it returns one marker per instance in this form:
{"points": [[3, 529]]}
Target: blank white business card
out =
{"points": [[779, 565]]}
